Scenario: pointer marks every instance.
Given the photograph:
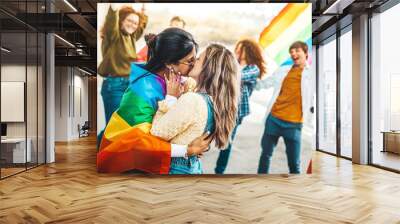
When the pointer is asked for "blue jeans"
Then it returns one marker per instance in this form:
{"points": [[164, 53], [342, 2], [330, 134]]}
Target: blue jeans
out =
{"points": [[223, 157], [180, 165], [291, 133], [112, 90], [192, 165]]}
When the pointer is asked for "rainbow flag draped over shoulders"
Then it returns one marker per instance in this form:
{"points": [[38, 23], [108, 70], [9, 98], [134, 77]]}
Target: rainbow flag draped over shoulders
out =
{"points": [[127, 143], [293, 23]]}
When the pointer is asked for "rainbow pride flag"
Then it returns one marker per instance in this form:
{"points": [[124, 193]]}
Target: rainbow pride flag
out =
{"points": [[127, 143], [293, 23]]}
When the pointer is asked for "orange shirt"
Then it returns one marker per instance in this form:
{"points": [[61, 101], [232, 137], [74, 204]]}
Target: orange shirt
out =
{"points": [[288, 105]]}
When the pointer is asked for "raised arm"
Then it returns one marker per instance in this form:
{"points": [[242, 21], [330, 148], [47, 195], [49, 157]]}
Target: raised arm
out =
{"points": [[111, 25], [268, 82], [143, 19]]}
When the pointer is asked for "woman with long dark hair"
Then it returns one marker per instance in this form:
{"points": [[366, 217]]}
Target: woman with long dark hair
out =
{"points": [[127, 143]]}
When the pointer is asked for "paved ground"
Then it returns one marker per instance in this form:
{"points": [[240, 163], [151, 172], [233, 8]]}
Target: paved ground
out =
{"points": [[246, 147]]}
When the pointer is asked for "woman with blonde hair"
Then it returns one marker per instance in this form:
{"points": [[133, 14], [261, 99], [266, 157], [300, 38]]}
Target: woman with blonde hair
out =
{"points": [[249, 55], [211, 108]]}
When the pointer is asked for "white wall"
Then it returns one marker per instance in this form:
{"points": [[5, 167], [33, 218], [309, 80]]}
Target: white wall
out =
{"points": [[71, 94], [80, 100], [61, 105]]}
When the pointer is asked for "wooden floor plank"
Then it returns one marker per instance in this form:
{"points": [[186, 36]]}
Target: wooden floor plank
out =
{"points": [[71, 191]]}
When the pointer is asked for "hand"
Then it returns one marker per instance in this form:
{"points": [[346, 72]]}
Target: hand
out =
{"points": [[199, 145], [143, 10], [114, 6], [174, 86], [189, 85]]}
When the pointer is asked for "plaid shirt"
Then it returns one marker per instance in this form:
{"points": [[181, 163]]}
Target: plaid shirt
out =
{"points": [[250, 73]]}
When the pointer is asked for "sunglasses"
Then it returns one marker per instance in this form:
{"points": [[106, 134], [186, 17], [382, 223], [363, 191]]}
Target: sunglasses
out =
{"points": [[189, 62]]}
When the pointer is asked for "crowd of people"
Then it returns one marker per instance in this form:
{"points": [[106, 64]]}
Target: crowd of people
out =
{"points": [[165, 104]]}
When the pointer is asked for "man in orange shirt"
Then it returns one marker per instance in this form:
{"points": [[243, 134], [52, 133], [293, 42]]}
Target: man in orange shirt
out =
{"points": [[292, 105]]}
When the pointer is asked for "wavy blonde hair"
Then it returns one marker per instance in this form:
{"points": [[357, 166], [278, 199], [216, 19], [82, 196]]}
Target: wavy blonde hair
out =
{"points": [[219, 77]]}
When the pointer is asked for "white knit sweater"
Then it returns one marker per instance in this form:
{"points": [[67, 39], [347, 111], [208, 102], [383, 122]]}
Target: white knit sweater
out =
{"points": [[182, 122]]}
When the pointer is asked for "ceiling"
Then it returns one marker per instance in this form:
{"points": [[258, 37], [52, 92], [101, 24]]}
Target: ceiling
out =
{"points": [[76, 22]]}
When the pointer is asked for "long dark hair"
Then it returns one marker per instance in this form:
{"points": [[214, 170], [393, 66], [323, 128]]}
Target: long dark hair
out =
{"points": [[168, 47]]}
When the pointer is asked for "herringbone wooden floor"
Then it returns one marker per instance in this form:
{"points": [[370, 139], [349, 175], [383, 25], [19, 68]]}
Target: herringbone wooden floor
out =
{"points": [[71, 191]]}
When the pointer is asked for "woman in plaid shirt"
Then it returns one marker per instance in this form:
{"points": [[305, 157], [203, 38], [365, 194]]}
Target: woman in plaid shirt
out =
{"points": [[249, 56]]}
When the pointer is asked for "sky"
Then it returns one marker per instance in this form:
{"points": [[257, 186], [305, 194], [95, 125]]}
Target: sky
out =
{"points": [[208, 22]]}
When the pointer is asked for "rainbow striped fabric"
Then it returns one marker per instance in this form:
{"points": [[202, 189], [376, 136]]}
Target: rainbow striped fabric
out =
{"points": [[127, 143], [293, 23]]}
